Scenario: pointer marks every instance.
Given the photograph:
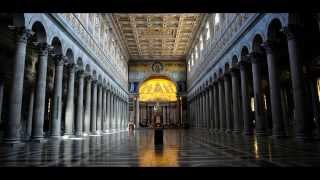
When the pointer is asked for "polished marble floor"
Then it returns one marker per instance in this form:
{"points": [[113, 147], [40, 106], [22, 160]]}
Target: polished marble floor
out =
{"points": [[181, 148]]}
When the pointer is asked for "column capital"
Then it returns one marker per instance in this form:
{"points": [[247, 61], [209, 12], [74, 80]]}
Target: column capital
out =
{"points": [[21, 33], [293, 31], [43, 48], [60, 59], [255, 57], [270, 46], [71, 67]]}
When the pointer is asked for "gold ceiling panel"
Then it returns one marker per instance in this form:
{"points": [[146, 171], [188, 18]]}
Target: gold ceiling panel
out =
{"points": [[157, 36]]}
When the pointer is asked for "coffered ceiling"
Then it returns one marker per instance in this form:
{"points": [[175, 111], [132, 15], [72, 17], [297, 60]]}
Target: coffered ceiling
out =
{"points": [[157, 36]]}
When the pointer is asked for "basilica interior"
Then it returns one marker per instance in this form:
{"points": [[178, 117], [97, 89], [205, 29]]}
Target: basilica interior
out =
{"points": [[226, 89]]}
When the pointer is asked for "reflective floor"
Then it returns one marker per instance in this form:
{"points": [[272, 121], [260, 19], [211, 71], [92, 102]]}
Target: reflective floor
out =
{"points": [[181, 148]]}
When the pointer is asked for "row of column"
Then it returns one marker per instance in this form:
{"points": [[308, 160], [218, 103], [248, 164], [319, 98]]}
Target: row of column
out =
{"points": [[96, 111], [224, 105]]}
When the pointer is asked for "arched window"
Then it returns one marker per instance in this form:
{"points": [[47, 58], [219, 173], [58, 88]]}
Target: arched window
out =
{"points": [[217, 19], [208, 31]]}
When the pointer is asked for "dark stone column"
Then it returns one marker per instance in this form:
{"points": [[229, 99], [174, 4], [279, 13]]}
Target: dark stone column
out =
{"points": [[235, 100], [245, 98], [57, 97], [40, 95], [69, 114], [210, 108], [1, 97], [108, 109], [104, 109], [207, 108], [99, 109], [30, 112], [274, 84], [216, 106], [11, 134], [302, 117], [79, 116], [228, 102], [261, 124], [111, 111], [222, 105], [93, 122], [87, 114]]}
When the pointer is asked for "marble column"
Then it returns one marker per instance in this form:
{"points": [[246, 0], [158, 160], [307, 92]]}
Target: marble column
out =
{"points": [[87, 114], [1, 98], [99, 108], [69, 114], [30, 112], [79, 114], [137, 112], [93, 122], [247, 123], [104, 109], [202, 112], [57, 97], [11, 133], [108, 109], [301, 114], [205, 108], [274, 84], [111, 111], [228, 102], [210, 108], [222, 105], [235, 100], [40, 94], [261, 123], [115, 111], [216, 106]]}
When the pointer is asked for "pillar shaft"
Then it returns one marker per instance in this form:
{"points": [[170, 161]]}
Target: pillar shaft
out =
{"points": [[222, 106], [99, 108], [216, 106], [15, 102], [57, 98], [104, 110], [79, 119], [87, 114], [235, 101], [228, 102], [274, 84], [261, 125], [40, 96], [93, 123], [247, 123], [108, 110], [301, 115], [69, 114], [30, 112]]}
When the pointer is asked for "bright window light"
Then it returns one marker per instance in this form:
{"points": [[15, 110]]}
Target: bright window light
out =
{"points": [[217, 19]]}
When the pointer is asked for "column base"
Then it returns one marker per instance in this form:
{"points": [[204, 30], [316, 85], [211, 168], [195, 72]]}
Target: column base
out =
{"points": [[228, 131], [261, 133], [248, 132], [236, 131], [55, 137], [78, 134], [38, 140], [13, 142], [304, 137]]}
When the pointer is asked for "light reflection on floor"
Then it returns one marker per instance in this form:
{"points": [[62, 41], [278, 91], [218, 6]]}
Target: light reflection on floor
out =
{"points": [[180, 148]]}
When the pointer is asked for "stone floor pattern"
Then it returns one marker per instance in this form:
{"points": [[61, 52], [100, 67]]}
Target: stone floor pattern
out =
{"points": [[181, 148]]}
